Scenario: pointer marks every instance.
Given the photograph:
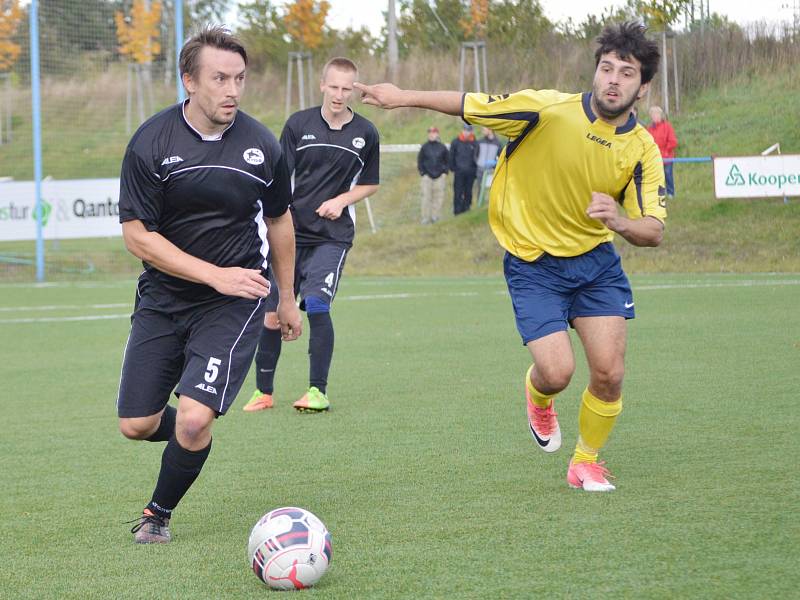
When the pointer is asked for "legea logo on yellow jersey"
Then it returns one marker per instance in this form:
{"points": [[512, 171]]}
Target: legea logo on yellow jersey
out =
{"points": [[599, 140]]}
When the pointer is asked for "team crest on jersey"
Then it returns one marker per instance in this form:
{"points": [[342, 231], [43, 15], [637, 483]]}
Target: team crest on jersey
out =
{"points": [[359, 143], [253, 156]]}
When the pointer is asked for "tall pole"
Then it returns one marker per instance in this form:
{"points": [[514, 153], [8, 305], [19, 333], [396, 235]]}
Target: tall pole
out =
{"points": [[391, 42], [36, 101], [178, 46], [665, 71], [677, 87]]}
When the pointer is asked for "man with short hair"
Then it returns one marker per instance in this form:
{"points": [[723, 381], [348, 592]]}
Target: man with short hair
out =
{"points": [[572, 161], [204, 192], [432, 163], [332, 155]]}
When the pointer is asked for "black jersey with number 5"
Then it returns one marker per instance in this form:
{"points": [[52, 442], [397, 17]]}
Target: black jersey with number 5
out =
{"points": [[324, 163], [208, 197]]}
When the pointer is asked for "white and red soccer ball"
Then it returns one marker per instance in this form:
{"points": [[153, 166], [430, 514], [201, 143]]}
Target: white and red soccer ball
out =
{"points": [[289, 548]]}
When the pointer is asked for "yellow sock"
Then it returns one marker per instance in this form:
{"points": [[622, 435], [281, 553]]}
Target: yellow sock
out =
{"points": [[595, 421], [538, 398]]}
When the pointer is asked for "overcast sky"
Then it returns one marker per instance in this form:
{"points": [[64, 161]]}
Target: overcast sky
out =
{"points": [[369, 13]]}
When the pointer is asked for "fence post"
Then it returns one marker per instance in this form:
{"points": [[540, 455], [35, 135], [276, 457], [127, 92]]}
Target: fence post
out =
{"points": [[36, 106]]}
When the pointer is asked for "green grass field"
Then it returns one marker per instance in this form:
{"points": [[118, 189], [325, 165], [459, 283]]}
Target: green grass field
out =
{"points": [[424, 470]]}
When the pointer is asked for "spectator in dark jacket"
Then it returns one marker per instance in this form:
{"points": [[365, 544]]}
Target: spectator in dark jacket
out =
{"points": [[462, 164], [432, 162]]}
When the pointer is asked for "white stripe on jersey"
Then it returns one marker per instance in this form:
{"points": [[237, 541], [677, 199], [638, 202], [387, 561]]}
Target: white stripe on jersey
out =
{"points": [[175, 172], [262, 233], [350, 207], [333, 146]]}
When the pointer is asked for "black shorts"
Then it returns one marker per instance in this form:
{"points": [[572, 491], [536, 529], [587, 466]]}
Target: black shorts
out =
{"points": [[317, 270], [203, 352]]}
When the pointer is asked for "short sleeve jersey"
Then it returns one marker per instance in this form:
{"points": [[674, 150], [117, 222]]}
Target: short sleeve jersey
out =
{"points": [[324, 163], [559, 152], [209, 198]]}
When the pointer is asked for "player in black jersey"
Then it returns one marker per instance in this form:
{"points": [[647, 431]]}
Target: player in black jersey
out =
{"points": [[204, 192], [332, 154]]}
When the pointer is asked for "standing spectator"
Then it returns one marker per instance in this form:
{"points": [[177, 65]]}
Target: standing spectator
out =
{"points": [[664, 135], [462, 164], [488, 150], [432, 162]]}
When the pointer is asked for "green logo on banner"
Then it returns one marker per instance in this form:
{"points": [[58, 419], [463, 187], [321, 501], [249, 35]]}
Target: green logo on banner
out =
{"points": [[47, 208], [735, 177]]}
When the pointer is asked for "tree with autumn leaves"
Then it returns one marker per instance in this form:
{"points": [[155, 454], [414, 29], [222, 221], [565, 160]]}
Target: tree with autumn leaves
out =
{"points": [[474, 25], [138, 33], [10, 17], [305, 20]]}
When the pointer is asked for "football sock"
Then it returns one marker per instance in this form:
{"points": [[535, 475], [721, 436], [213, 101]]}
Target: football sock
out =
{"points": [[179, 468], [320, 349], [595, 421], [538, 398], [166, 428], [269, 351]]}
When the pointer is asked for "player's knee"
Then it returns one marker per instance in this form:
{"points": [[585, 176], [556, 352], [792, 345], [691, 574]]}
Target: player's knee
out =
{"points": [[552, 378], [139, 428], [192, 428], [315, 306], [608, 377], [271, 321]]}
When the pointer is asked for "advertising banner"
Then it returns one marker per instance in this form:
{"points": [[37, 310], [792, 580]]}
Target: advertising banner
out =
{"points": [[71, 208], [757, 176]]}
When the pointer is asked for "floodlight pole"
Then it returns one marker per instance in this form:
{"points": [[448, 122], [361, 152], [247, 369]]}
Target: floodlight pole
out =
{"points": [[665, 78], [299, 59], [479, 54]]}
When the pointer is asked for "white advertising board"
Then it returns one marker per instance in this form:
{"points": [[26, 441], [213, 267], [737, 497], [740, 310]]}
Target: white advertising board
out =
{"points": [[73, 208], [757, 176]]}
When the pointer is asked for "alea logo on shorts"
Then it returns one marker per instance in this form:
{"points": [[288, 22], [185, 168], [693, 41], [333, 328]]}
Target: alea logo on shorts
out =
{"points": [[359, 142], [253, 156]]}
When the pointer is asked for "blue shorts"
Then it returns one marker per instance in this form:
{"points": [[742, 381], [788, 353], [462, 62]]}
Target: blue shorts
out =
{"points": [[548, 293]]}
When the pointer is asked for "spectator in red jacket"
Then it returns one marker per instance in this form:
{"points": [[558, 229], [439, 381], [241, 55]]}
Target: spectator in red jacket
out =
{"points": [[664, 135]]}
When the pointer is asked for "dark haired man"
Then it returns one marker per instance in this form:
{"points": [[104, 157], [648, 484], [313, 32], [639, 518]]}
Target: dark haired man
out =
{"points": [[571, 161], [332, 155], [204, 192]]}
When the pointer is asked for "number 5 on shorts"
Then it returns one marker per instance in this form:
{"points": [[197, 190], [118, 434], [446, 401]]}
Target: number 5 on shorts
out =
{"points": [[212, 370]]}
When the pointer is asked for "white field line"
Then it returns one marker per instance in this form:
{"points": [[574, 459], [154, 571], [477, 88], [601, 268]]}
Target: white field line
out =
{"points": [[362, 297], [61, 307]]}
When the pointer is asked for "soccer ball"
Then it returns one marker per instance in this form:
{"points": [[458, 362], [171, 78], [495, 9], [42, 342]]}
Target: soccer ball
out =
{"points": [[289, 548]]}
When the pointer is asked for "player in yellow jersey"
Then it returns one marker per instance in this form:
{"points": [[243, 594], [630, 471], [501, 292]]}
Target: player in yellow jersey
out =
{"points": [[578, 168]]}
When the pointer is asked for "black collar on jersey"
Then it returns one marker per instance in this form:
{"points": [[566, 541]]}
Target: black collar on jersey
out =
{"points": [[194, 131], [345, 124], [586, 100]]}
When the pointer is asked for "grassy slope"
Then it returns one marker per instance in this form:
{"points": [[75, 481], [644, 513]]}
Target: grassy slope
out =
{"points": [[704, 235]]}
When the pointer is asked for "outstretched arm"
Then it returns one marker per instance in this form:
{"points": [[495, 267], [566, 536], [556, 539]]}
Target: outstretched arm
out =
{"points": [[387, 95]]}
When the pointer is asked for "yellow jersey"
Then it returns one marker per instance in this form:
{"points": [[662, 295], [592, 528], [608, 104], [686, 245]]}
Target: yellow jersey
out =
{"points": [[558, 153]]}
